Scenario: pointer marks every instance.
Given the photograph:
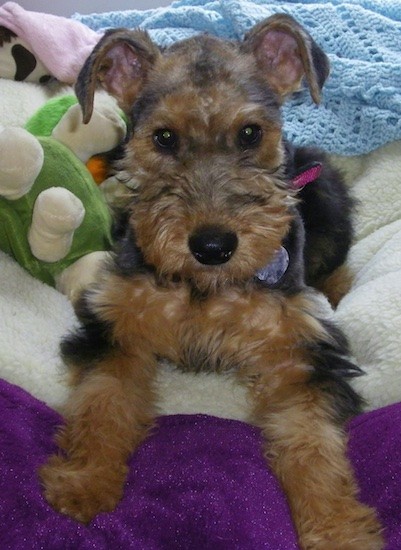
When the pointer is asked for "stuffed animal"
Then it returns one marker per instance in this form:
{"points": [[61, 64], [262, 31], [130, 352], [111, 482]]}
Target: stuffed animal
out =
{"points": [[18, 61], [54, 219]]}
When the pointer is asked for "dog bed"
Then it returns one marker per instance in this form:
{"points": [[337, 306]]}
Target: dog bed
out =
{"points": [[199, 481]]}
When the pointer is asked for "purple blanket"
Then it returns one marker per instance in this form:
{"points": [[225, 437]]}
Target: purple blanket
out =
{"points": [[198, 482]]}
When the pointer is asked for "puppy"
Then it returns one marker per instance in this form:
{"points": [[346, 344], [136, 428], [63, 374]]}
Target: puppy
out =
{"points": [[211, 274]]}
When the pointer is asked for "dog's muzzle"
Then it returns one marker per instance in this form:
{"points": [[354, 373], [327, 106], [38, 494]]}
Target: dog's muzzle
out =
{"points": [[212, 245]]}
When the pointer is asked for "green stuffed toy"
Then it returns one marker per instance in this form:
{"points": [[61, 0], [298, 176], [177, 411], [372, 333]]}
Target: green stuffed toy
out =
{"points": [[54, 219]]}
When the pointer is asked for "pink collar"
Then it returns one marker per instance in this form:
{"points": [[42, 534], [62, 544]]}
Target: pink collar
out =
{"points": [[309, 174]]}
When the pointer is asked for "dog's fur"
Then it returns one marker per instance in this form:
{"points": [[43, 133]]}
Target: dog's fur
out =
{"points": [[213, 203]]}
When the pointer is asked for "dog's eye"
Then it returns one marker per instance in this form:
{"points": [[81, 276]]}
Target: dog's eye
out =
{"points": [[250, 136], [165, 139]]}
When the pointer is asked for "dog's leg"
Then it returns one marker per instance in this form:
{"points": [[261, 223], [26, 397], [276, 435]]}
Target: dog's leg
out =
{"points": [[297, 371], [336, 285], [108, 415], [307, 450]]}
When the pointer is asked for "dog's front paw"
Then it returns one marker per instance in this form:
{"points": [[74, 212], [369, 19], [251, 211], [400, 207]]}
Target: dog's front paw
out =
{"points": [[355, 528], [82, 492]]}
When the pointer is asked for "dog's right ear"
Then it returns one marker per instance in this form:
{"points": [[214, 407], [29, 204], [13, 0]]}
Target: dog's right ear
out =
{"points": [[120, 63]]}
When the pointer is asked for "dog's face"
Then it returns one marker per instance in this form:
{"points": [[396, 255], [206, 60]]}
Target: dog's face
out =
{"points": [[206, 151]]}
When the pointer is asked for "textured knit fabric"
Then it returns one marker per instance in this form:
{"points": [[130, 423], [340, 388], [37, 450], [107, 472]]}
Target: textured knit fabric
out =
{"points": [[198, 482], [361, 107]]}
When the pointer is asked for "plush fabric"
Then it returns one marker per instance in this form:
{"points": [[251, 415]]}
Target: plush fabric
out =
{"points": [[375, 451], [61, 169], [371, 313], [361, 105], [60, 44], [198, 482]]}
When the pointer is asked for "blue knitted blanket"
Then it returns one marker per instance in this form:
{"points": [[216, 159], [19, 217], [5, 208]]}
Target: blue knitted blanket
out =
{"points": [[361, 107]]}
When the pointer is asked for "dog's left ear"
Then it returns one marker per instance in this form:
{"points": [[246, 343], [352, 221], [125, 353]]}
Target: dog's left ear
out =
{"points": [[287, 55]]}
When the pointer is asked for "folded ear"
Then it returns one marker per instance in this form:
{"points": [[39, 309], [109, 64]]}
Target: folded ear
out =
{"points": [[120, 63], [287, 55]]}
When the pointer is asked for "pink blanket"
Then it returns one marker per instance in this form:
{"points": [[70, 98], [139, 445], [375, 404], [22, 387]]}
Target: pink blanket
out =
{"points": [[61, 44]]}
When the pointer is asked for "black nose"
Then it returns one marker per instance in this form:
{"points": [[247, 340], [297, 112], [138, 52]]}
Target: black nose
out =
{"points": [[213, 245]]}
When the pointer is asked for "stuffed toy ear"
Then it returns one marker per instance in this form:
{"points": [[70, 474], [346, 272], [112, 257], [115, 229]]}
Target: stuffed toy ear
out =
{"points": [[287, 55], [120, 63]]}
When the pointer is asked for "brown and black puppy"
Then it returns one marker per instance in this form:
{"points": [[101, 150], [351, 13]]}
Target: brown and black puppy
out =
{"points": [[210, 275]]}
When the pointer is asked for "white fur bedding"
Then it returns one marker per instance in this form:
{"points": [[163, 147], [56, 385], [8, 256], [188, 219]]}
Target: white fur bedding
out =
{"points": [[34, 316]]}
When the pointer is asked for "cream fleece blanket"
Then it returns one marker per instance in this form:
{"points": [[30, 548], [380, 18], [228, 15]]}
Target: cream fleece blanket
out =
{"points": [[33, 316]]}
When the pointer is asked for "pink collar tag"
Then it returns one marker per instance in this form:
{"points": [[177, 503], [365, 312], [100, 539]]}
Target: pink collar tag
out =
{"points": [[310, 174]]}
